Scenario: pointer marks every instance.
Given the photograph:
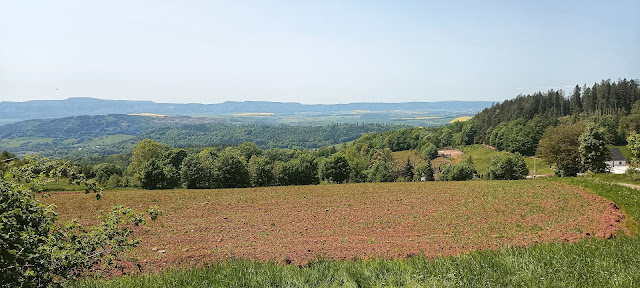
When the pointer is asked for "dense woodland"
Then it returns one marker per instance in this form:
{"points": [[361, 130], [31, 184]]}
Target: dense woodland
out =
{"points": [[517, 125], [87, 136]]}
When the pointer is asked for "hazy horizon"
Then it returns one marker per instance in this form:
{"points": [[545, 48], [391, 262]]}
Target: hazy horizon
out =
{"points": [[329, 52], [292, 102]]}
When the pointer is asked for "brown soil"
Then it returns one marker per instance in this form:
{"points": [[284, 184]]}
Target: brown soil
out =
{"points": [[451, 153], [298, 224]]}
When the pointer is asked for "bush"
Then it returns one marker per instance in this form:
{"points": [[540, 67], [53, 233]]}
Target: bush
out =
{"points": [[457, 172], [382, 171], [35, 252], [632, 173], [115, 181], [157, 175], [429, 151], [505, 166], [335, 169]]}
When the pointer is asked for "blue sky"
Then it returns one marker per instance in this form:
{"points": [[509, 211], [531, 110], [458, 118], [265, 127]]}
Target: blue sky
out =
{"points": [[311, 51]]}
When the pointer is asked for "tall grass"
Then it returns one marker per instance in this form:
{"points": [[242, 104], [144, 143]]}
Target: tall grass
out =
{"points": [[588, 263]]}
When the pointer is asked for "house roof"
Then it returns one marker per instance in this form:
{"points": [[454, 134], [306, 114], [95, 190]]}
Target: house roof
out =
{"points": [[616, 155]]}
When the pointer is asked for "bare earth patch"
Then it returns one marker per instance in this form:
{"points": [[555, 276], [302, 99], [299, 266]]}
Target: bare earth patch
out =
{"points": [[297, 224]]}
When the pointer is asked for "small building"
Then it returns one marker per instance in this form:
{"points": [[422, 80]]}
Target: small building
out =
{"points": [[617, 163], [617, 159]]}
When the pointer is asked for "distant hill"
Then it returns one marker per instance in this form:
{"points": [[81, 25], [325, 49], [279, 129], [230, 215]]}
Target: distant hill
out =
{"points": [[118, 133], [18, 111]]}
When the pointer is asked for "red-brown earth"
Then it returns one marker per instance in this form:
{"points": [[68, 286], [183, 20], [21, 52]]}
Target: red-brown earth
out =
{"points": [[298, 224]]}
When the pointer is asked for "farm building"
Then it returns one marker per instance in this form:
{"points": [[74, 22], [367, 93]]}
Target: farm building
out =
{"points": [[617, 163]]}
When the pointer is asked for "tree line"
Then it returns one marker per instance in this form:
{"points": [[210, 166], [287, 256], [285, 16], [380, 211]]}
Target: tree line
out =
{"points": [[517, 125]]}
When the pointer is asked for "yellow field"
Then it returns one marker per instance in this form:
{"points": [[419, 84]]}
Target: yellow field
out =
{"points": [[253, 114], [461, 119], [148, 115]]}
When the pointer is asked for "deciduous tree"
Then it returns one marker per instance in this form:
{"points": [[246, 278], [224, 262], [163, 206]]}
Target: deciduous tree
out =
{"points": [[560, 146]]}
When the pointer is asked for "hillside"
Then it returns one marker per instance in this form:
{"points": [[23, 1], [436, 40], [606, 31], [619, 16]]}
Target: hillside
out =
{"points": [[117, 133]]}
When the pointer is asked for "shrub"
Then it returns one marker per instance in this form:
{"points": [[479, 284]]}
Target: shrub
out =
{"points": [[505, 166], [457, 172], [335, 169], [429, 151], [35, 252]]}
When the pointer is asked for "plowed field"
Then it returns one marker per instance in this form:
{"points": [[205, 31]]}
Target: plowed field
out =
{"points": [[300, 223]]}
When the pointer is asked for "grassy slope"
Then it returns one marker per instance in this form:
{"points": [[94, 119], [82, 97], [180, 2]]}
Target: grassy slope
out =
{"points": [[588, 263], [482, 158]]}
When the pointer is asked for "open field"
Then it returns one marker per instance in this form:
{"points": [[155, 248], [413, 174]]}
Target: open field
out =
{"points": [[587, 263], [17, 142], [254, 114], [461, 119], [108, 139], [389, 220]]}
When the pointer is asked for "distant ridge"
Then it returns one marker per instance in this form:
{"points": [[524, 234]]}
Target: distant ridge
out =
{"points": [[39, 109]]}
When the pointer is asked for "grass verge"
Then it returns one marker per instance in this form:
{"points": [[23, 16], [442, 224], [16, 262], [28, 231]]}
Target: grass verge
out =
{"points": [[589, 263]]}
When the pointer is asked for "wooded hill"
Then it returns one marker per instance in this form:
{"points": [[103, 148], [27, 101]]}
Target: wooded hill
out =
{"points": [[516, 125], [109, 134]]}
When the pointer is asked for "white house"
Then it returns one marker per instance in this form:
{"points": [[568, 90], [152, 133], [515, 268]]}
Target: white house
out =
{"points": [[617, 164]]}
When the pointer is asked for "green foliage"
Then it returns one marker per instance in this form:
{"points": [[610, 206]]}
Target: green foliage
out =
{"points": [[469, 131], [174, 157], [382, 171], [593, 148], [429, 151], [115, 181], [248, 149], [634, 147], [158, 175], [400, 140], [265, 136], [560, 146], [302, 170], [5, 161], [424, 170], [604, 98], [632, 173], [588, 263], [36, 252], [194, 173], [408, 171], [104, 171], [326, 151], [520, 136], [335, 169], [260, 172], [446, 137], [230, 170], [458, 172], [506, 166], [146, 151]]}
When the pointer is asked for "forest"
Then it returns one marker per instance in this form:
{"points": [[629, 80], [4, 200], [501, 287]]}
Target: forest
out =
{"points": [[87, 136], [517, 125]]}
